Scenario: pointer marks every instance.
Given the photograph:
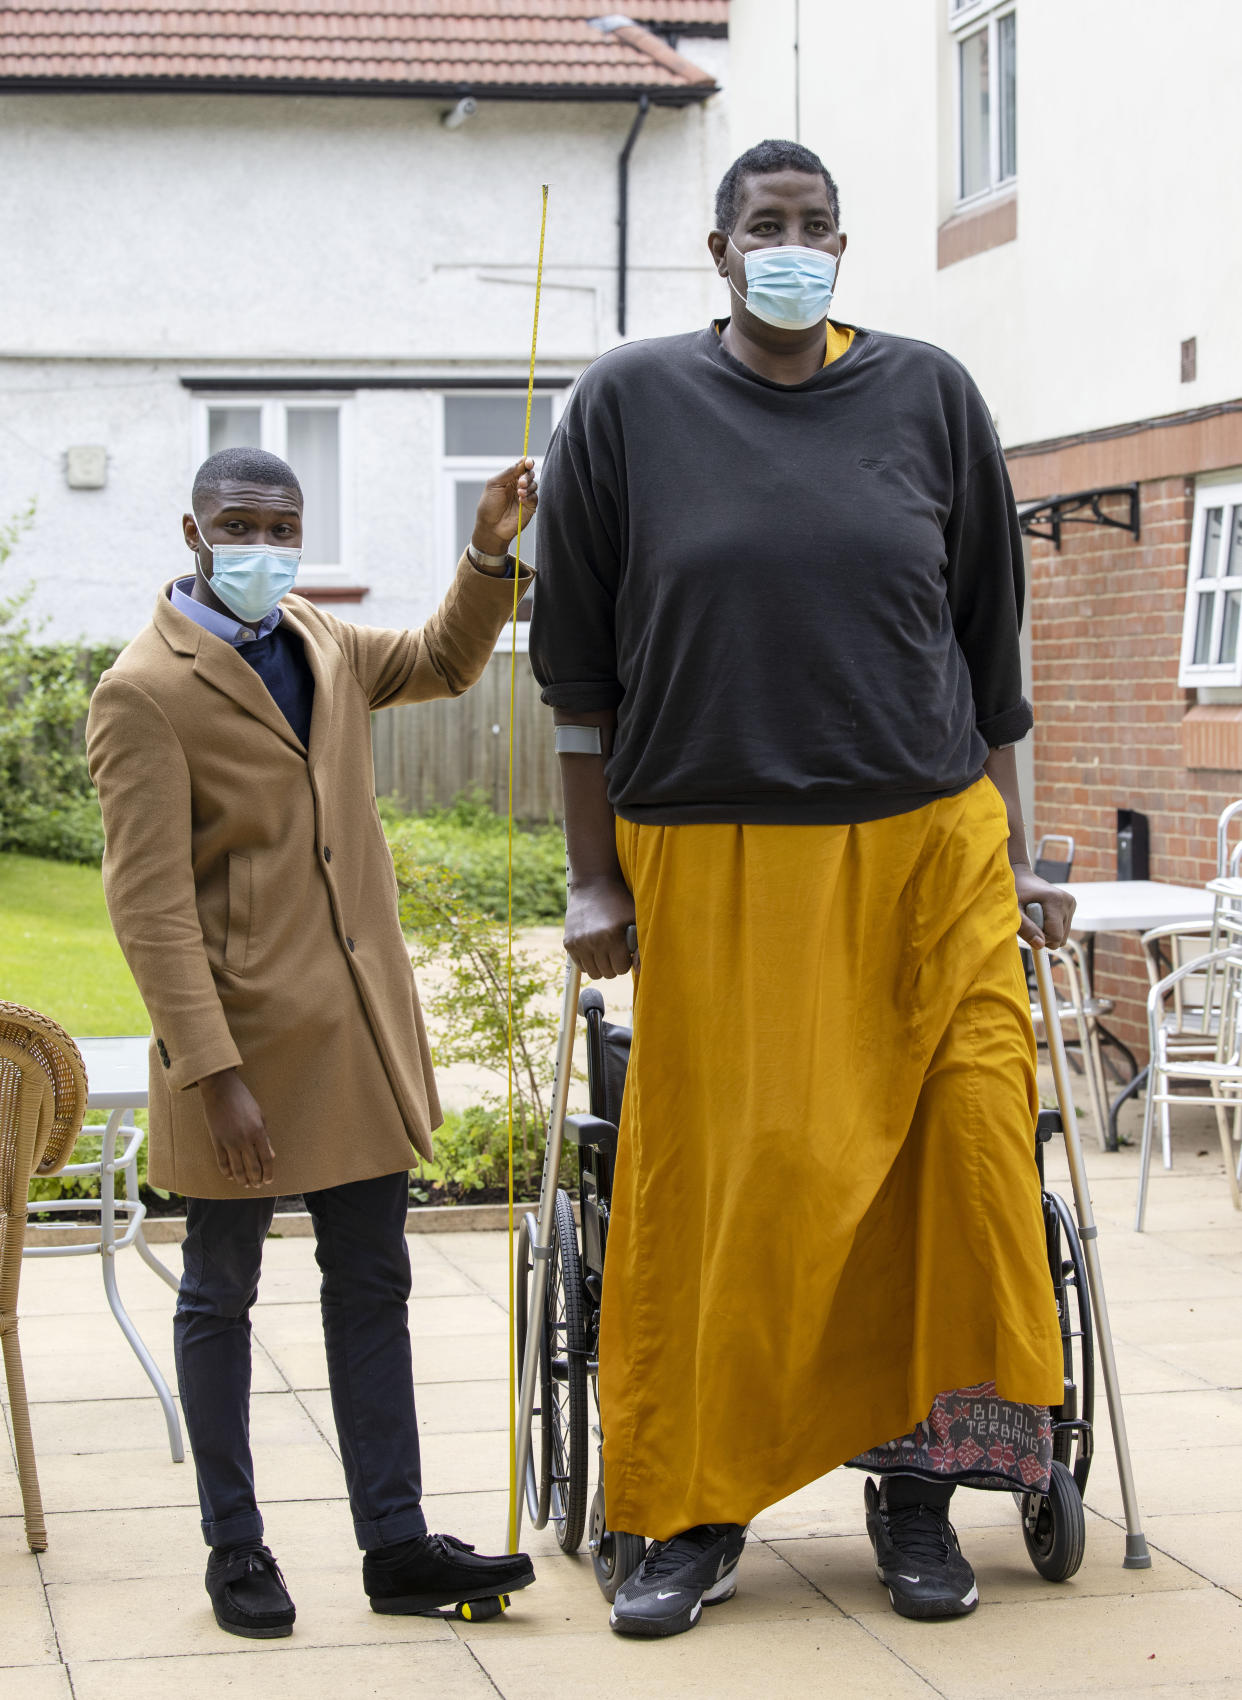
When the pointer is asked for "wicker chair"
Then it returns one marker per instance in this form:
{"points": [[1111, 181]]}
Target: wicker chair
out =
{"points": [[42, 1102]]}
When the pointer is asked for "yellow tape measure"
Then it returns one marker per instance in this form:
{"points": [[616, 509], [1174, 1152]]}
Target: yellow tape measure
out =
{"points": [[517, 573]]}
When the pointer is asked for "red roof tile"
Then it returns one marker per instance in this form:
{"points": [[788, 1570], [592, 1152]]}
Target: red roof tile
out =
{"points": [[540, 46]]}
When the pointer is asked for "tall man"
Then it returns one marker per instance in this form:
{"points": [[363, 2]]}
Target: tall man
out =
{"points": [[780, 587], [251, 890]]}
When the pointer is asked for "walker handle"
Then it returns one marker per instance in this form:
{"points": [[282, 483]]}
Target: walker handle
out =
{"points": [[631, 940], [1035, 912]]}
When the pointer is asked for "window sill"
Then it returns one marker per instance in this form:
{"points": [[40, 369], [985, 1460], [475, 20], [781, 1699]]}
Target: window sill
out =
{"points": [[1212, 738], [986, 224], [334, 592]]}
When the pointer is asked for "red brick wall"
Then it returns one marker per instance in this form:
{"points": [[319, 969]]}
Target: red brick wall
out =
{"points": [[1106, 623]]}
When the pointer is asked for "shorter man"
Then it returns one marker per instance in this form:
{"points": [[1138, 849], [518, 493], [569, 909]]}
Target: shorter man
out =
{"points": [[251, 889]]}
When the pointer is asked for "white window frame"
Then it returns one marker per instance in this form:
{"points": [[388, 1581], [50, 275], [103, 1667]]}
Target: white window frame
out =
{"points": [[453, 469], [273, 437], [965, 21], [1208, 495]]}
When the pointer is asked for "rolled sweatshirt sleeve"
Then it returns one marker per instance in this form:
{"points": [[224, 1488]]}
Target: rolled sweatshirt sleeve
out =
{"points": [[573, 645], [986, 589]]}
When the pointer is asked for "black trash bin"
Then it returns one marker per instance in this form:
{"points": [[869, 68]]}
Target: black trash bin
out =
{"points": [[1133, 854]]}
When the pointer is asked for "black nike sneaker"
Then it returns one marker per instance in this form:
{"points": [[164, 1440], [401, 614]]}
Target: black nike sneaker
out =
{"points": [[677, 1578], [434, 1573], [917, 1557]]}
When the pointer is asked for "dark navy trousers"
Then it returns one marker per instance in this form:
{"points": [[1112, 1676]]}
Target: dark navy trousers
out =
{"points": [[362, 1255]]}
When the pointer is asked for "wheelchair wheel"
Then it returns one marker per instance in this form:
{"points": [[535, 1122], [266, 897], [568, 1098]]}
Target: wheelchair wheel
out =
{"points": [[1054, 1526], [614, 1556], [563, 1395], [538, 1482], [1072, 1443]]}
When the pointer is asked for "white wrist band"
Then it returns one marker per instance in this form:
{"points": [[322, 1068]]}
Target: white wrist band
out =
{"points": [[482, 560], [579, 741]]}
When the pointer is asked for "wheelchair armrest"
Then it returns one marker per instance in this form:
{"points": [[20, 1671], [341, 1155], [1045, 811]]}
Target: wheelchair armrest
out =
{"points": [[1047, 1122], [592, 1131]]}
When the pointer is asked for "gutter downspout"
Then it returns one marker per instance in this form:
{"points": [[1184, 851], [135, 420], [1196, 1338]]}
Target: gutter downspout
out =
{"points": [[623, 208]]}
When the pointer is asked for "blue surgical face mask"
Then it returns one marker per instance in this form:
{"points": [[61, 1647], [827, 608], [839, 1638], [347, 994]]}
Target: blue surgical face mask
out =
{"points": [[788, 287], [250, 578]]}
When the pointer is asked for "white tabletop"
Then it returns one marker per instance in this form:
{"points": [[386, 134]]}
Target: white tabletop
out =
{"points": [[116, 1072], [1134, 906]]}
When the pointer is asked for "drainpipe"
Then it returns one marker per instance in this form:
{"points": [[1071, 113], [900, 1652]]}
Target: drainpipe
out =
{"points": [[623, 208]]}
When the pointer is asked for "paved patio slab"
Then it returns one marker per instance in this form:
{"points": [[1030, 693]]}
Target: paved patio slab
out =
{"points": [[116, 1605]]}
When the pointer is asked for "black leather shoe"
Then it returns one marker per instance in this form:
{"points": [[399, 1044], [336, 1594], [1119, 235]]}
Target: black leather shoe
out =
{"points": [[434, 1572], [248, 1593]]}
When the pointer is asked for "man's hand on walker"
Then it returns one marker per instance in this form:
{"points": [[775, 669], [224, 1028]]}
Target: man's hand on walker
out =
{"points": [[597, 918], [238, 1132], [496, 517], [1058, 908]]}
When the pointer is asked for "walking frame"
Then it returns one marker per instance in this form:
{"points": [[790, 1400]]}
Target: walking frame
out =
{"points": [[1137, 1556]]}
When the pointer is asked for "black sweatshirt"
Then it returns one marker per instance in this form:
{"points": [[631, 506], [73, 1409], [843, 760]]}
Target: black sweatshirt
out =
{"points": [[802, 600]]}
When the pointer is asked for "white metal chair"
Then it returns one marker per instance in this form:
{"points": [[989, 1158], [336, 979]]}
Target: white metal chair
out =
{"points": [[1220, 1072], [1190, 1019], [118, 1069], [1077, 1003]]}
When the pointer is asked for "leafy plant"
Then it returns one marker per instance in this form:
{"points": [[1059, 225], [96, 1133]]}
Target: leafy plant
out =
{"points": [[472, 839], [47, 804], [471, 1006], [472, 1154]]}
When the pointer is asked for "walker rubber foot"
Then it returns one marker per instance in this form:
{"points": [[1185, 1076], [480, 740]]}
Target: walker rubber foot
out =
{"points": [[1137, 1556]]}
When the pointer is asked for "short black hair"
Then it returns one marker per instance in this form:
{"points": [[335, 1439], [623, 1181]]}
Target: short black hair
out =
{"points": [[763, 160], [244, 466]]}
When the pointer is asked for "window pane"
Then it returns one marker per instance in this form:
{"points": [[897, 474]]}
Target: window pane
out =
{"points": [[1210, 567], [1233, 566], [313, 450], [1229, 628], [234, 428], [976, 146], [486, 425], [1203, 630], [1007, 85], [466, 495]]}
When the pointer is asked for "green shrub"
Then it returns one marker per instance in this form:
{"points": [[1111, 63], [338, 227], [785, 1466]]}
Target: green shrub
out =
{"points": [[472, 841], [47, 804], [472, 1154]]}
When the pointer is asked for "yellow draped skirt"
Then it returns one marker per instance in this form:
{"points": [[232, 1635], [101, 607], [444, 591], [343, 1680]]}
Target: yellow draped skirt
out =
{"points": [[826, 1209]]}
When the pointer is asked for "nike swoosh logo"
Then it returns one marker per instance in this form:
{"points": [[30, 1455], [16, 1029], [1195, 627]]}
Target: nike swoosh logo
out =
{"points": [[670, 1595], [902, 1577]]}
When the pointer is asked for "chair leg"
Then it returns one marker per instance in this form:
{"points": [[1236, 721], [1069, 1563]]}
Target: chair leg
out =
{"points": [[107, 1250], [1166, 1133], [140, 1239], [1225, 1131], [1154, 1085], [23, 1441], [1096, 1082]]}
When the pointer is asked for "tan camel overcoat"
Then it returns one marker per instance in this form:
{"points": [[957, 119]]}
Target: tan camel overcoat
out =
{"points": [[251, 888]]}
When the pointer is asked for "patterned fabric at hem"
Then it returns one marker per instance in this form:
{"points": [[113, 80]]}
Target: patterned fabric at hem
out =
{"points": [[973, 1438]]}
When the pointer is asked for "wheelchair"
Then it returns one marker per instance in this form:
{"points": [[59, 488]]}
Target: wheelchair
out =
{"points": [[563, 1429], [565, 1422]]}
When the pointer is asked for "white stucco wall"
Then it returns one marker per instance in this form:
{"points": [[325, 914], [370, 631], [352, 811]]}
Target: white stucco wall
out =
{"points": [[157, 237], [1128, 147]]}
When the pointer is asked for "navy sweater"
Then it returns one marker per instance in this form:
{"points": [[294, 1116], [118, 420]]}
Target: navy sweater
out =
{"points": [[803, 600], [280, 661]]}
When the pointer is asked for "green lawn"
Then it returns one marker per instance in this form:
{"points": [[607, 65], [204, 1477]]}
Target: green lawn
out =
{"points": [[57, 952]]}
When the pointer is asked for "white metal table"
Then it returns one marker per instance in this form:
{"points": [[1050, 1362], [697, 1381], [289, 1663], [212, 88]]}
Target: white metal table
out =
{"points": [[116, 1074], [1134, 906]]}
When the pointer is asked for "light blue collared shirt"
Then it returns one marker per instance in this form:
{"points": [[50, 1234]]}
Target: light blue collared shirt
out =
{"points": [[220, 625]]}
